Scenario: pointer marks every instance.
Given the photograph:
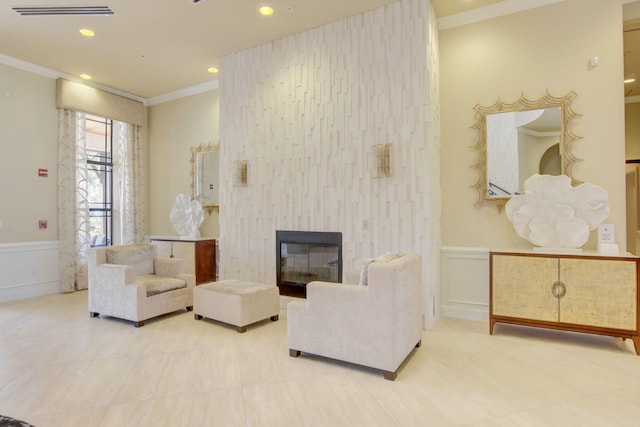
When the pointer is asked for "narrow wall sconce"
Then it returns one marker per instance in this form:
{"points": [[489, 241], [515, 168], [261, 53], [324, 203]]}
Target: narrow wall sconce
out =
{"points": [[382, 160], [241, 168]]}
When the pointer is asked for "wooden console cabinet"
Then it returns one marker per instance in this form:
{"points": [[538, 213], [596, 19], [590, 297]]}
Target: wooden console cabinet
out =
{"points": [[199, 255], [586, 293]]}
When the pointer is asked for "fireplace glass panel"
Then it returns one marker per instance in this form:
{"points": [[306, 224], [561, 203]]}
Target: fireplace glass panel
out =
{"points": [[302, 263]]}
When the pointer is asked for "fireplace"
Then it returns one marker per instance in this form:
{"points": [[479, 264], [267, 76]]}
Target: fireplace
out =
{"points": [[305, 256]]}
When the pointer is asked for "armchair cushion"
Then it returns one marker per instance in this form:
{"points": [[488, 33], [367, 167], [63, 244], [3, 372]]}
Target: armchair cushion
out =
{"points": [[140, 257], [157, 284]]}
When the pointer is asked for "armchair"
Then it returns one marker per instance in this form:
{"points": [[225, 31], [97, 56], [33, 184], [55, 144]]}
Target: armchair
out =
{"points": [[130, 282], [377, 325]]}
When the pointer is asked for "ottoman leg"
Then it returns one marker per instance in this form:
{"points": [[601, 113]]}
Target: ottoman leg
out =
{"points": [[274, 318], [241, 329], [197, 316]]}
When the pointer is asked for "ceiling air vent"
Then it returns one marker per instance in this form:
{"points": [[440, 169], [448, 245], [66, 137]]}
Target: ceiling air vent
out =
{"points": [[63, 10]]}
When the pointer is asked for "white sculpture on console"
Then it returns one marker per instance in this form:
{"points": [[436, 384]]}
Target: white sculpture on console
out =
{"points": [[186, 216], [553, 214]]}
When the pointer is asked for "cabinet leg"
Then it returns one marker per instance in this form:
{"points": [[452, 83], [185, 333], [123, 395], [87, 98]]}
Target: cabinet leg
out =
{"points": [[492, 323], [636, 344]]}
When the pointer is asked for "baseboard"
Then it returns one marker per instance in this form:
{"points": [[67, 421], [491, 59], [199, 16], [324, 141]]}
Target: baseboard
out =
{"points": [[478, 314], [29, 291]]}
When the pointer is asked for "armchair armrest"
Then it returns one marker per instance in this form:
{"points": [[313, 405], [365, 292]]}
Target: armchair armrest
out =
{"points": [[114, 274], [114, 286]]}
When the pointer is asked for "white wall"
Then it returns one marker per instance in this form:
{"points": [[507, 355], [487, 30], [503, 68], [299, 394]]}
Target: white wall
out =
{"points": [[174, 128], [28, 142], [305, 112]]}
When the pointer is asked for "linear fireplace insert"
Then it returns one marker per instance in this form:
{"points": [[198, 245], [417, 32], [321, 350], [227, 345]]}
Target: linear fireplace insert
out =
{"points": [[305, 256]]}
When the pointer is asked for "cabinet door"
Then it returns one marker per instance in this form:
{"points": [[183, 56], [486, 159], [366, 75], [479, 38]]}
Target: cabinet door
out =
{"points": [[187, 252], [521, 287], [599, 293]]}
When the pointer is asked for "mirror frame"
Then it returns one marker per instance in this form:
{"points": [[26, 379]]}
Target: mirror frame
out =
{"points": [[194, 154], [566, 142]]}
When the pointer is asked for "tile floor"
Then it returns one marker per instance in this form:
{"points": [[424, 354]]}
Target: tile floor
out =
{"points": [[58, 367]]}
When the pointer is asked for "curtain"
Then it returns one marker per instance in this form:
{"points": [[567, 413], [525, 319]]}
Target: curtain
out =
{"points": [[73, 201], [73, 207], [128, 188]]}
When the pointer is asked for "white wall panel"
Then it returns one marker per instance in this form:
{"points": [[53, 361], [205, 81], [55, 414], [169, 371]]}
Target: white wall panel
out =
{"points": [[28, 270], [305, 112], [465, 283]]}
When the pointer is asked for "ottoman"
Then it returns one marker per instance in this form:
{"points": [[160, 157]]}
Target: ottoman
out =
{"points": [[236, 302]]}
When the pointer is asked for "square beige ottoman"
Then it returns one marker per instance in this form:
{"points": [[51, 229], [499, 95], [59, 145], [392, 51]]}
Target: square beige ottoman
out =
{"points": [[237, 302]]}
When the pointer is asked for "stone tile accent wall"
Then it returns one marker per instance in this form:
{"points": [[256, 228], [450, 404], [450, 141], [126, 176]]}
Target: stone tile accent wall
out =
{"points": [[304, 113]]}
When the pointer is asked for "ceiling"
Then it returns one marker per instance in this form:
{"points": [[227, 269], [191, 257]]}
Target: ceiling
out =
{"points": [[151, 48]]}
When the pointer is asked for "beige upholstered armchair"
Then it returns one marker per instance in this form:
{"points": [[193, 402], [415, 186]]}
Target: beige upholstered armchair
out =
{"points": [[375, 325], [130, 282]]}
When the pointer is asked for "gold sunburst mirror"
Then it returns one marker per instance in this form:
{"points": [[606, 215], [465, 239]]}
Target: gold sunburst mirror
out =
{"points": [[520, 139]]}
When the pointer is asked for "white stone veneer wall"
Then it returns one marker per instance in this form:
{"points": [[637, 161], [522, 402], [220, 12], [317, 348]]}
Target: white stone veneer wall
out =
{"points": [[305, 112]]}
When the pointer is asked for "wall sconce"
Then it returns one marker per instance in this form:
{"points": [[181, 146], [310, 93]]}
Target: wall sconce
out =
{"points": [[242, 173], [382, 160]]}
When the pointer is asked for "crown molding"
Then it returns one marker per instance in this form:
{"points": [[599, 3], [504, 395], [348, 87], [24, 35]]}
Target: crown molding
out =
{"points": [[53, 74], [188, 91], [495, 10]]}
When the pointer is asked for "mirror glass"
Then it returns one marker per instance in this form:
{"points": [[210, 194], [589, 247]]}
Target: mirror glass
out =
{"points": [[204, 172], [516, 144], [519, 140]]}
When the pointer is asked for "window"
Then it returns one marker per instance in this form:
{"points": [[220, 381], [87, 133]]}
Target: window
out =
{"points": [[100, 179]]}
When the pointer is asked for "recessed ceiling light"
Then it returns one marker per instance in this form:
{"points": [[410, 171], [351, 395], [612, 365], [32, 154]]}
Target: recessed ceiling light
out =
{"points": [[212, 70], [266, 10], [631, 80], [85, 76], [87, 32]]}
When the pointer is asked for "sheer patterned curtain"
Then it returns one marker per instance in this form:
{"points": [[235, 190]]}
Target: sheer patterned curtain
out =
{"points": [[73, 207], [128, 188], [73, 201]]}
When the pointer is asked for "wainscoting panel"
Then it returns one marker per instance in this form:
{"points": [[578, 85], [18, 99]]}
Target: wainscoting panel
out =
{"points": [[465, 282], [28, 270]]}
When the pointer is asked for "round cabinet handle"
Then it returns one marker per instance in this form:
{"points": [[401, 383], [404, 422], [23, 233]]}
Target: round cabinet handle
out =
{"points": [[559, 289]]}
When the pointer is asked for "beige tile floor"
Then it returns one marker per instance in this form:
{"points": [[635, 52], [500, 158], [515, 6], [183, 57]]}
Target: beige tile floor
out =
{"points": [[58, 367]]}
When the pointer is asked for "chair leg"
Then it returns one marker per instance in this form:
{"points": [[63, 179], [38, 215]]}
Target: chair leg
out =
{"points": [[274, 318], [294, 353], [94, 314], [138, 324], [388, 375]]}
